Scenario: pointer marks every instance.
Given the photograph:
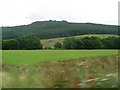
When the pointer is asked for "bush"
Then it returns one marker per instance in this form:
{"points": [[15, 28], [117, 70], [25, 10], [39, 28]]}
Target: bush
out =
{"points": [[10, 44], [111, 43], [92, 43], [57, 45]]}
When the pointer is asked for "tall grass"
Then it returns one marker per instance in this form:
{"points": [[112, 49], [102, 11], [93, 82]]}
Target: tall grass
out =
{"points": [[89, 72]]}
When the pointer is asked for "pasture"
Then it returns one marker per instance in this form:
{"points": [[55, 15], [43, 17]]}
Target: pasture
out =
{"points": [[60, 69], [27, 57]]}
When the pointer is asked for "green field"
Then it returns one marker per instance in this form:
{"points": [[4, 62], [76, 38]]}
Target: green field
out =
{"points": [[51, 42], [27, 57], [50, 68]]}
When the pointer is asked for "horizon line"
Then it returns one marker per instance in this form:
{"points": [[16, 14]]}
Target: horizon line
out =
{"points": [[58, 21]]}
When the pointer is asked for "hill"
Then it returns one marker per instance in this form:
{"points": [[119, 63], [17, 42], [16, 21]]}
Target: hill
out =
{"points": [[53, 29]]}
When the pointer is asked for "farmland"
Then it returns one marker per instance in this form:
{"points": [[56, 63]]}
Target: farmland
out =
{"points": [[27, 57], [40, 55], [50, 68], [97, 68]]}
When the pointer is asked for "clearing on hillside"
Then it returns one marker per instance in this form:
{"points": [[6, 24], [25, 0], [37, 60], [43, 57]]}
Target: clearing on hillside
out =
{"points": [[51, 42]]}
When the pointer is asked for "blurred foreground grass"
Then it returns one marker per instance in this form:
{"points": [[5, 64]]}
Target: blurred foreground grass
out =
{"points": [[86, 72]]}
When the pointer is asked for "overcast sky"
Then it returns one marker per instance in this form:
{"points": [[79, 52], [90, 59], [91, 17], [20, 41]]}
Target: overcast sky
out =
{"points": [[20, 12]]}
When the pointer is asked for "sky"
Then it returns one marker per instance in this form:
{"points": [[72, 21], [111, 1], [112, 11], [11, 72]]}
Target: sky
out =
{"points": [[22, 12]]}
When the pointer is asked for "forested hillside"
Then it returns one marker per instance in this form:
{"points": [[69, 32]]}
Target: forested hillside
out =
{"points": [[52, 29]]}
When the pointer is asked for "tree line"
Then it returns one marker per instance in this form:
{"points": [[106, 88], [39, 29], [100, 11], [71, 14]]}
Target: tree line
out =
{"points": [[28, 42], [32, 42], [91, 43]]}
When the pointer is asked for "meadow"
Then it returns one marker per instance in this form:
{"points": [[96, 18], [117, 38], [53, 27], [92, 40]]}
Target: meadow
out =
{"points": [[52, 68], [60, 69], [28, 57]]}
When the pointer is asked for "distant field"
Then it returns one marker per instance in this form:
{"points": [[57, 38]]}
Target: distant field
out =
{"points": [[28, 57], [51, 42]]}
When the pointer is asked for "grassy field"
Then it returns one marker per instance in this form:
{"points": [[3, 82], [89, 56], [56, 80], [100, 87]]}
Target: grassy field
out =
{"points": [[51, 42], [60, 69], [28, 57], [91, 72]]}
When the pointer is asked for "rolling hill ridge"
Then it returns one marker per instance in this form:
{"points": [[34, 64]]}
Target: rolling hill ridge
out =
{"points": [[54, 29]]}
